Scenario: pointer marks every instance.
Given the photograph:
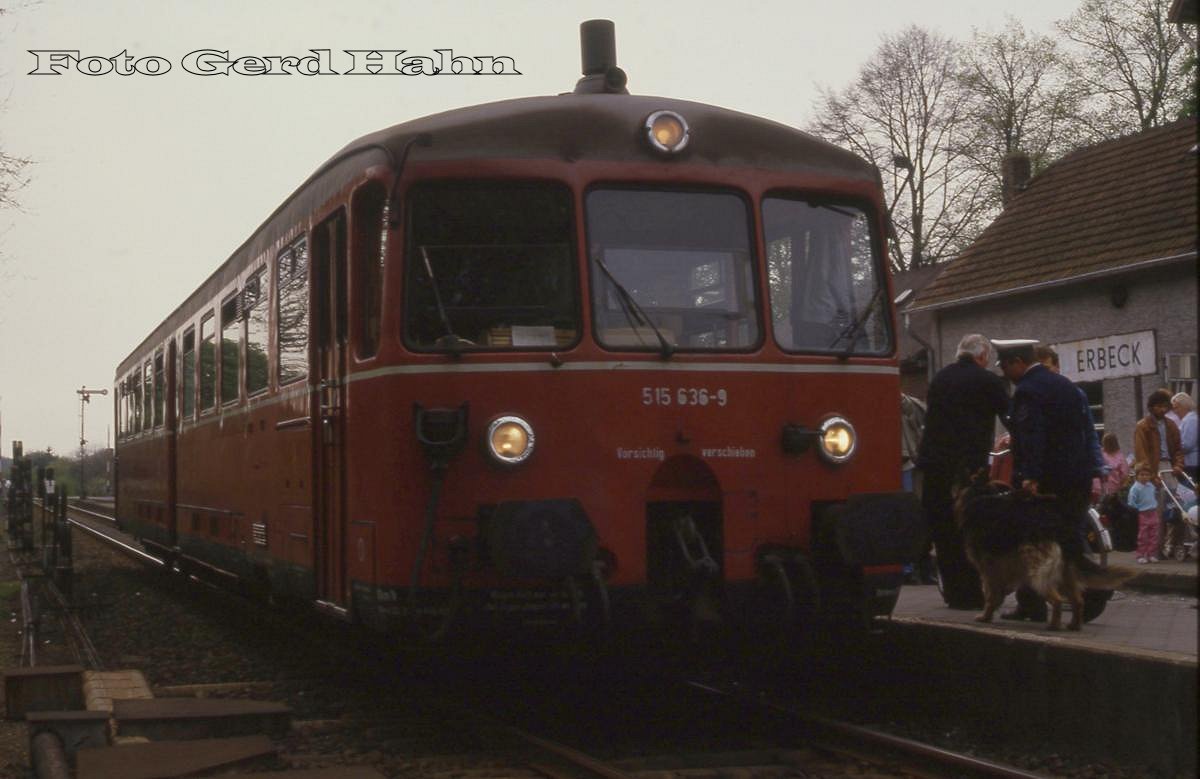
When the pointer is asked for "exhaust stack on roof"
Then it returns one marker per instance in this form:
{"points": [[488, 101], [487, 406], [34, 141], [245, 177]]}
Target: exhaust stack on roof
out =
{"points": [[598, 52]]}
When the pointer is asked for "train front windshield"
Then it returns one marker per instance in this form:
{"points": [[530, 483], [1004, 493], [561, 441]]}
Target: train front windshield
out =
{"points": [[671, 270], [827, 294], [492, 266]]}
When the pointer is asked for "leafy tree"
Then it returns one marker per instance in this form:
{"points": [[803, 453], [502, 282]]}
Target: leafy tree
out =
{"points": [[1130, 65], [909, 100]]}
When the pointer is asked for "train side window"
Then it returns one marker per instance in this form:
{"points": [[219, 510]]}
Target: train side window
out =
{"points": [[254, 307], [147, 395], [122, 428], [208, 362], [187, 368], [231, 337], [135, 381], [291, 274], [160, 388], [127, 407], [369, 222]]}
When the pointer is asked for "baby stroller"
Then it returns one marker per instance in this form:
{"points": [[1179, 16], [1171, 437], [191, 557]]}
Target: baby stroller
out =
{"points": [[1180, 510]]}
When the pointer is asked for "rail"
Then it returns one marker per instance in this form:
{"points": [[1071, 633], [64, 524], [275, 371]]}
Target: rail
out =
{"points": [[127, 549], [956, 763], [830, 735]]}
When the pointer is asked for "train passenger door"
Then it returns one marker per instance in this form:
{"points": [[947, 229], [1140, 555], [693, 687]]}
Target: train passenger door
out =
{"points": [[329, 299]]}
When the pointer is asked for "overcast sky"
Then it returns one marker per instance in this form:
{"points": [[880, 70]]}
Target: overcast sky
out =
{"points": [[143, 185]]}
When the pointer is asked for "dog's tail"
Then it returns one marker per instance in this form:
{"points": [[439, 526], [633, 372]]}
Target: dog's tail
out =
{"points": [[1108, 578]]}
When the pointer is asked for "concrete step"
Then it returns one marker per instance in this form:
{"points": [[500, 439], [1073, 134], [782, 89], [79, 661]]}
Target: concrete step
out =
{"points": [[168, 759], [75, 729], [162, 719], [42, 688], [101, 688]]}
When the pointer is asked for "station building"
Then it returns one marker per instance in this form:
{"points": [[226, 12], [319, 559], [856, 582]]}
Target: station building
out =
{"points": [[1096, 257]]}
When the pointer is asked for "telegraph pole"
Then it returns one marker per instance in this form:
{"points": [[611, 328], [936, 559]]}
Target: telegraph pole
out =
{"points": [[85, 397]]}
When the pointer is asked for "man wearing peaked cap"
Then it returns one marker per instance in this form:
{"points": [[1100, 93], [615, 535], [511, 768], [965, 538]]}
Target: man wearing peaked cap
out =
{"points": [[1050, 450], [1014, 347]]}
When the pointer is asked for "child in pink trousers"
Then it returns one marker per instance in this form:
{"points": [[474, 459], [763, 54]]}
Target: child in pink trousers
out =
{"points": [[1142, 497]]}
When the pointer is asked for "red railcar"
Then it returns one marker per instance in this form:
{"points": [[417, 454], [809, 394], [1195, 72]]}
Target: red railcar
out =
{"points": [[593, 356]]}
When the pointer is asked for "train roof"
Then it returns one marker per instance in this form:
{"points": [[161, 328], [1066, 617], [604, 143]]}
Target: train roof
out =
{"points": [[608, 127], [570, 127]]}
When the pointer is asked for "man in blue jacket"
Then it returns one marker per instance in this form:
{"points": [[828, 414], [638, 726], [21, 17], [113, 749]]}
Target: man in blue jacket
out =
{"points": [[1051, 455]]}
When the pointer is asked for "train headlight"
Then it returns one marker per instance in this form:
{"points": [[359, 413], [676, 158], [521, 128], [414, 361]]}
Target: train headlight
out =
{"points": [[510, 440], [667, 132], [838, 440]]}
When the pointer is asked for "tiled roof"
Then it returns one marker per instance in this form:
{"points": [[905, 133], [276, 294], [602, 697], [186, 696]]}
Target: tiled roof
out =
{"points": [[1116, 204]]}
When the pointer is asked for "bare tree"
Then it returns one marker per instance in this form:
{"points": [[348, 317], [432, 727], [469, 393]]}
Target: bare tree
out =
{"points": [[12, 178], [13, 170], [1020, 99], [1130, 65], [908, 101]]}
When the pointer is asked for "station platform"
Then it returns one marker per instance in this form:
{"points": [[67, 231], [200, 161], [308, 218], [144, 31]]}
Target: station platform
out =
{"points": [[1122, 689], [1153, 615]]}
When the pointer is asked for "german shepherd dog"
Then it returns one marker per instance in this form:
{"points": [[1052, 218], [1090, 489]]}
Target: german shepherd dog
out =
{"points": [[1011, 537]]}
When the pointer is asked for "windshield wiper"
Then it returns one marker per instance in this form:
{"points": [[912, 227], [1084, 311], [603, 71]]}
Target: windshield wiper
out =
{"points": [[851, 330], [450, 340], [630, 306]]}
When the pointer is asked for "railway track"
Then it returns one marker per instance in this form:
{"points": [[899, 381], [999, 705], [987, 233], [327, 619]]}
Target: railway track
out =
{"points": [[802, 743]]}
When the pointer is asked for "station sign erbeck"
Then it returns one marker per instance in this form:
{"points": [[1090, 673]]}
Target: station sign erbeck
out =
{"points": [[1111, 357]]}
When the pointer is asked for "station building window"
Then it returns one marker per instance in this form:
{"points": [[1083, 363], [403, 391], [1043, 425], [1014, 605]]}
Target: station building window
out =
{"points": [[1182, 370], [1094, 390], [254, 306], [368, 219], [208, 362], [291, 276], [230, 349], [187, 370]]}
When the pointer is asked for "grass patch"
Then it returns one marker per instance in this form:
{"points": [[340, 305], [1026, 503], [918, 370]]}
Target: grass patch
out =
{"points": [[9, 590]]}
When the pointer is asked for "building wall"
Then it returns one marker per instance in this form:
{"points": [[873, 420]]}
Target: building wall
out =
{"points": [[1163, 300]]}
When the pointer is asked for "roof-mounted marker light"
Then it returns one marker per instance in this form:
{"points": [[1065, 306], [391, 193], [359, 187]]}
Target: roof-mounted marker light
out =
{"points": [[667, 132]]}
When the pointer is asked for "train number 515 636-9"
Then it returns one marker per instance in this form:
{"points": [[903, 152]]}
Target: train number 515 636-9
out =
{"points": [[683, 396]]}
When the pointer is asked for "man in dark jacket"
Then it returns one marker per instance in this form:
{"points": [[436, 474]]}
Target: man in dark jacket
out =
{"points": [[965, 398], [1051, 455]]}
